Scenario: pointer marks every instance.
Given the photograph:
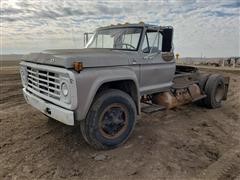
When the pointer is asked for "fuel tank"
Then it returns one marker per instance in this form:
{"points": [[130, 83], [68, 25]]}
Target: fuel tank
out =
{"points": [[174, 98]]}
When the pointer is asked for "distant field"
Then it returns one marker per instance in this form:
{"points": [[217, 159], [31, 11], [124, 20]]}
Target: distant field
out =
{"points": [[221, 69], [9, 63], [10, 60]]}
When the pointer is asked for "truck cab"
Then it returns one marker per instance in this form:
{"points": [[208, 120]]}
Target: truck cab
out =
{"points": [[148, 48], [104, 85]]}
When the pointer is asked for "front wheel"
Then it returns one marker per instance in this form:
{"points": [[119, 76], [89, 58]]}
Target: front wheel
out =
{"points": [[110, 120]]}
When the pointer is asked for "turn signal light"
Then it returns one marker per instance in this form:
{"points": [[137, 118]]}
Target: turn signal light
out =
{"points": [[78, 66]]}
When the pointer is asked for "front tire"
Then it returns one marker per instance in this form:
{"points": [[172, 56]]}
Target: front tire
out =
{"points": [[110, 120]]}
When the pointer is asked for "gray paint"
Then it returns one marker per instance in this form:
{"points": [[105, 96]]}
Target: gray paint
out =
{"points": [[89, 57], [89, 80], [150, 75]]}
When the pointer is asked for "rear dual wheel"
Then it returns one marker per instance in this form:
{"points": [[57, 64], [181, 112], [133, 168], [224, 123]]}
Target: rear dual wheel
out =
{"points": [[215, 90], [110, 120]]}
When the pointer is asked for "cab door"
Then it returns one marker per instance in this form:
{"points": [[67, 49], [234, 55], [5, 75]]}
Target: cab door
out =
{"points": [[156, 74]]}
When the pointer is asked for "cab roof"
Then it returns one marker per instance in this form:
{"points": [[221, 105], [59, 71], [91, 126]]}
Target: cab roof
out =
{"points": [[141, 24]]}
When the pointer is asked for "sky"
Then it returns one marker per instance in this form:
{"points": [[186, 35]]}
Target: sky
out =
{"points": [[201, 27]]}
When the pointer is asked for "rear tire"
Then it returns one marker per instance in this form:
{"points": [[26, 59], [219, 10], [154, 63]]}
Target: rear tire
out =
{"points": [[214, 89], [110, 120]]}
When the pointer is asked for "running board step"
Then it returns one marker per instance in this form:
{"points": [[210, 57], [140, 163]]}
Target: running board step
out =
{"points": [[152, 108]]}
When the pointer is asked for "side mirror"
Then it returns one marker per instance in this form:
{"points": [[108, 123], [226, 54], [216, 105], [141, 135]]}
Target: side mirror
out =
{"points": [[167, 56]]}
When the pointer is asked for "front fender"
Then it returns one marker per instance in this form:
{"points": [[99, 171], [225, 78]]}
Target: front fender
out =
{"points": [[90, 80]]}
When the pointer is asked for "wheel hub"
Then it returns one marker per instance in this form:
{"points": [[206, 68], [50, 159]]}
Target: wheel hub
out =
{"points": [[113, 121]]}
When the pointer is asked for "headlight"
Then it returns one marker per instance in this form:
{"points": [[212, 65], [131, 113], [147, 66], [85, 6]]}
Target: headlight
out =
{"points": [[64, 89]]}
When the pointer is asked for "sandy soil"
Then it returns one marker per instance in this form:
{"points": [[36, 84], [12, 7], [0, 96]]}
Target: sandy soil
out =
{"points": [[186, 143]]}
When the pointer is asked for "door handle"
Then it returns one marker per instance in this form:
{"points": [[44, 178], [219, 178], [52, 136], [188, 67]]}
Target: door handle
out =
{"points": [[148, 58], [134, 61]]}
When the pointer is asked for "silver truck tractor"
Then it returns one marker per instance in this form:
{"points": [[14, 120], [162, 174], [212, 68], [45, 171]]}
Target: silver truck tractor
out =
{"points": [[104, 85]]}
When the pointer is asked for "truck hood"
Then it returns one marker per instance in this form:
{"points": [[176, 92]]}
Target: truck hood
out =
{"points": [[89, 57]]}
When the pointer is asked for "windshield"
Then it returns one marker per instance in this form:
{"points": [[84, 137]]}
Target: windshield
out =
{"points": [[116, 38]]}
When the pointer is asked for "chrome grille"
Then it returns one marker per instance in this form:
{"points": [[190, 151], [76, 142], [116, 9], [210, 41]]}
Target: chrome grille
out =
{"points": [[44, 82]]}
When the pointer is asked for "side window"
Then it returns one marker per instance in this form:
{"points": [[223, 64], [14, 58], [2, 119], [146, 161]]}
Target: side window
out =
{"points": [[145, 46], [131, 39], [152, 42]]}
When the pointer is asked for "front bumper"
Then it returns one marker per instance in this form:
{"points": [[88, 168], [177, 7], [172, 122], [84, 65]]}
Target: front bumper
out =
{"points": [[51, 110]]}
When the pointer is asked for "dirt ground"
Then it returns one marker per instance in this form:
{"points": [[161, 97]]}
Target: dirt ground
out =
{"points": [[189, 142]]}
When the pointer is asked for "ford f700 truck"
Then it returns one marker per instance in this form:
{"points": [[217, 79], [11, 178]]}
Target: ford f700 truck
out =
{"points": [[104, 85]]}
